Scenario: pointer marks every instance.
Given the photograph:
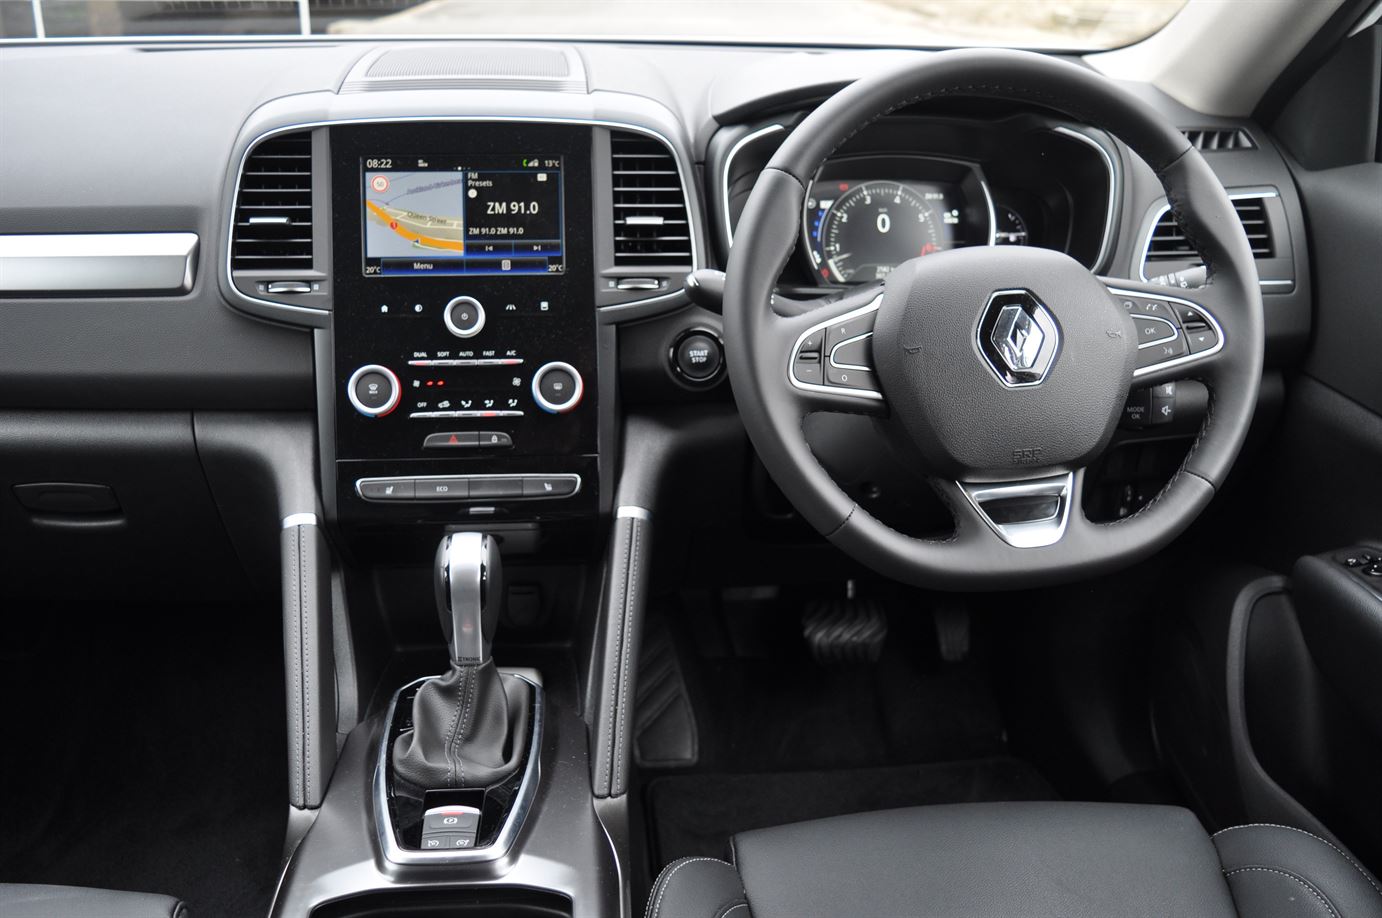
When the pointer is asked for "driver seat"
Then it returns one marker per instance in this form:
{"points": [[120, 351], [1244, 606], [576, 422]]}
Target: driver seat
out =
{"points": [[1033, 860]]}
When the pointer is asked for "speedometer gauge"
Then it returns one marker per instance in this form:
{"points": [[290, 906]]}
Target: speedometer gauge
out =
{"points": [[875, 226]]}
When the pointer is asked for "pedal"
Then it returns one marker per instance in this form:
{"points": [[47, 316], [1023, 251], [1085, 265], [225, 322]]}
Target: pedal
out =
{"points": [[844, 630], [952, 632]]}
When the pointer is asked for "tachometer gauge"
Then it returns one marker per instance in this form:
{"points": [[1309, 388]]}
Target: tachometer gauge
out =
{"points": [[1011, 229], [875, 226]]}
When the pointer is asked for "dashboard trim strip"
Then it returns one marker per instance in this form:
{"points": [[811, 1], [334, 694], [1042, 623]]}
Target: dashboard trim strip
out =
{"points": [[1107, 243], [98, 263], [729, 163]]}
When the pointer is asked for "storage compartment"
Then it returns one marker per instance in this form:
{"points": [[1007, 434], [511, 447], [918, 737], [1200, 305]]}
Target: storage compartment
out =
{"points": [[502, 902]]}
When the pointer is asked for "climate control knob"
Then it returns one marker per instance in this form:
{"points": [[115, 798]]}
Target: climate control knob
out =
{"points": [[464, 317], [557, 387], [373, 390]]}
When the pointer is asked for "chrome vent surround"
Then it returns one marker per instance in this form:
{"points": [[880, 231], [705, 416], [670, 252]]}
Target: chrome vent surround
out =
{"points": [[1210, 139], [273, 209], [554, 68], [1169, 243], [651, 227]]}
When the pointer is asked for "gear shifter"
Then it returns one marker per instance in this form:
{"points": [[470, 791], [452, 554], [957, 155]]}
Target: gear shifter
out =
{"points": [[470, 724]]}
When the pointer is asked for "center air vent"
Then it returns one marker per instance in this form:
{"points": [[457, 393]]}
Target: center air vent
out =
{"points": [[273, 211], [1168, 241], [1219, 138], [650, 221]]}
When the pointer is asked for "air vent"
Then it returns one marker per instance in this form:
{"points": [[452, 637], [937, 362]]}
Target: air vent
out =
{"points": [[273, 213], [1168, 242], [1219, 138], [650, 221]]}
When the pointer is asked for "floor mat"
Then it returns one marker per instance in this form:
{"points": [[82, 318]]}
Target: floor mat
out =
{"points": [[152, 755], [695, 814]]}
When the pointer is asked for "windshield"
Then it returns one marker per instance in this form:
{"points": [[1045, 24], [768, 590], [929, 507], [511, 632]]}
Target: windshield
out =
{"points": [[1065, 24]]}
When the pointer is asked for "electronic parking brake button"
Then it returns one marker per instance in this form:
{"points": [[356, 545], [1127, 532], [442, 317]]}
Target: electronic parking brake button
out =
{"points": [[451, 819]]}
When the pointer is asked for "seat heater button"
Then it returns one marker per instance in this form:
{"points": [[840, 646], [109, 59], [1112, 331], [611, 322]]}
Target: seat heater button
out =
{"points": [[442, 488], [542, 486], [387, 489]]}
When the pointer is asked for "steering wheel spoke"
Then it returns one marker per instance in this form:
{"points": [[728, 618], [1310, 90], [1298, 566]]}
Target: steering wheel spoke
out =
{"points": [[1023, 513], [828, 354], [1177, 335]]}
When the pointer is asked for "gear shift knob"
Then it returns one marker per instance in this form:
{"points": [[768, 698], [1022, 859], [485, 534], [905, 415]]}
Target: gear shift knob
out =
{"points": [[470, 589]]}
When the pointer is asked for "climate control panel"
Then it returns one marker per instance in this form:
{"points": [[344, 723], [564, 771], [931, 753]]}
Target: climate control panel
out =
{"points": [[462, 388]]}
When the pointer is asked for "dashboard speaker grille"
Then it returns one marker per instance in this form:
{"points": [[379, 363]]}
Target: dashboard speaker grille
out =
{"points": [[1168, 242], [650, 221], [1219, 138], [273, 211]]}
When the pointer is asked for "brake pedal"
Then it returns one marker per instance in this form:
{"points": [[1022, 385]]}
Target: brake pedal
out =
{"points": [[844, 630]]}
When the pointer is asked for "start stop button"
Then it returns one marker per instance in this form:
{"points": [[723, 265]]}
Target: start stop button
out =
{"points": [[698, 357]]}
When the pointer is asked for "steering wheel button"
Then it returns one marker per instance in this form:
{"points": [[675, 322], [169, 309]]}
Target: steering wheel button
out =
{"points": [[850, 328], [850, 378], [1201, 340], [856, 353], [1160, 353], [811, 343], [1153, 329], [809, 371]]}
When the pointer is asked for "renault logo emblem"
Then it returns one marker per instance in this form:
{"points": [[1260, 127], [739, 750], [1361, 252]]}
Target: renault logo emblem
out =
{"points": [[1018, 338]]}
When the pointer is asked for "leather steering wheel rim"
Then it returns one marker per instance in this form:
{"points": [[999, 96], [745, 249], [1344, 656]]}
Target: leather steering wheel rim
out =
{"points": [[761, 331]]}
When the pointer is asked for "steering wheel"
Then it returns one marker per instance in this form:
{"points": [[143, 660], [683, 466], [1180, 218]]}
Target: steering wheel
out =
{"points": [[1002, 370]]}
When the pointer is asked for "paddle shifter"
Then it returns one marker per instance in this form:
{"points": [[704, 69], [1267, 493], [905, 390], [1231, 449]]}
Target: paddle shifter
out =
{"points": [[470, 724]]}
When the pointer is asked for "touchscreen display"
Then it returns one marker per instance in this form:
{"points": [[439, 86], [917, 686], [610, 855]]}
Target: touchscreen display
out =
{"points": [[493, 214]]}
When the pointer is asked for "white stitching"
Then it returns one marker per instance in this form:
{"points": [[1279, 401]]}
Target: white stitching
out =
{"points": [[1341, 852], [733, 908], [656, 904], [1308, 888]]}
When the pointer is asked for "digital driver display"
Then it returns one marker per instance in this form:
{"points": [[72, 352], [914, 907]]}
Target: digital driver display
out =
{"points": [[447, 215]]}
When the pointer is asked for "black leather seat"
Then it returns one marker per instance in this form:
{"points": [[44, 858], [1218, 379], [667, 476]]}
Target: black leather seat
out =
{"points": [[1034, 860], [24, 900]]}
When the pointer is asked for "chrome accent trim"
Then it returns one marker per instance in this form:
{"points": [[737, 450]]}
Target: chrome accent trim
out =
{"points": [[729, 161], [299, 519], [849, 366], [553, 407], [1175, 330], [1049, 329], [872, 306], [630, 512], [1166, 207], [1037, 533], [508, 832], [98, 263], [1188, 358], [1107, 243], [359, 405], [688, 185], [455, 329], [993, 214], [568, 476], [460, 568], [474, 413]]}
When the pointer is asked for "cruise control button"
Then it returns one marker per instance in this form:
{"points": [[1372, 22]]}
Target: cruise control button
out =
{"points": [[850, 379], [441, 488], [491, 488], [386, 489], [537, 486], [855, 353], [843, 331], [460, 439], [1189, 315], [812, 342], [1201, 340], [808, 369]]}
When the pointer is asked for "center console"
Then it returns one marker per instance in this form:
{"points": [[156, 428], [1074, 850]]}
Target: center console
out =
{"points": [[465, 341]]}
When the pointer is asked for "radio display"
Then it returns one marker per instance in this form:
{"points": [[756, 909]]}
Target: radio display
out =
{"points": [[448, 215]]}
